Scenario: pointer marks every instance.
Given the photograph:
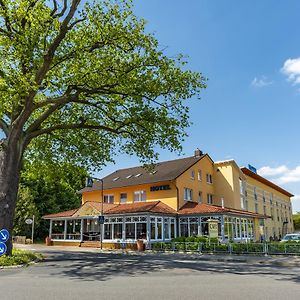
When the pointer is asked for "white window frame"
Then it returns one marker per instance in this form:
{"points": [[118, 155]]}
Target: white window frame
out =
{"points": [[140, 196], [199, 175], [210, 198], [109, 197], [123, 198], [209, 178], [188, 194]]}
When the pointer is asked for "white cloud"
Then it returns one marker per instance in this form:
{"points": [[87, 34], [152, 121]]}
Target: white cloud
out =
{"points": [[269, 171], [281, 174], [261, 82], [291, 68], [296, 198]]}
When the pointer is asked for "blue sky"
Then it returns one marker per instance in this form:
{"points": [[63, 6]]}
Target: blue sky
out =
{"points": [[250, 51]]}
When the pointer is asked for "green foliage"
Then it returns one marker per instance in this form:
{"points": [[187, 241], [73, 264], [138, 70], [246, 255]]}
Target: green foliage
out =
{"points": [[85, 83], [19, 257], [45, 189], [296, 220]]}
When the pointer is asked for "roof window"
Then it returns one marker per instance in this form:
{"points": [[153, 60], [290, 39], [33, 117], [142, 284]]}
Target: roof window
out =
{"points": [[129, 176], [138, 175], [115, 179]]}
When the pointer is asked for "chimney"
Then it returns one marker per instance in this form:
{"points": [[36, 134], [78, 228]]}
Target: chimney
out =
{"points": [[198, 153]]}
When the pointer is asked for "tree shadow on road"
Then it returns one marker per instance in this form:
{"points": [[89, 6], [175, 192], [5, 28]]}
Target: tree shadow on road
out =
{"points": [[88, 266]]}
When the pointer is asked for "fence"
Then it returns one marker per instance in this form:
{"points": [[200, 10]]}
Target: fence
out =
{"points": [[230, 248]]}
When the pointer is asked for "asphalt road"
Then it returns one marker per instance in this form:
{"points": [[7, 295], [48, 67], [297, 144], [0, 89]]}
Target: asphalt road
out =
{"points": [[88, 275]]}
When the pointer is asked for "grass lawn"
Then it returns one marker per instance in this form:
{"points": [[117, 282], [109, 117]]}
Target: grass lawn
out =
{"points": [[19, 257]]}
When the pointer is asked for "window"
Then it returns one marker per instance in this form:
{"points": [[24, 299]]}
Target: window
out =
{"points": [[123, 197], [117, 231], [264, 197], [107, 231], [188, 194], [255, 194], [109, 199], [130, 230], [209, 178], [141, 230], [139, 196], [200, 197], [271, 198], [265, 210], [256, 208], [193, 175], [199, 175], [209, 198]]}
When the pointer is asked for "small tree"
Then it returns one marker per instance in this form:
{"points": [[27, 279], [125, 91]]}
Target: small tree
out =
{"points": [[80, 82]]}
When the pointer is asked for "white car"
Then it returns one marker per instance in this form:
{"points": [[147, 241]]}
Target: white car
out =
{"points": [[291, 237]]}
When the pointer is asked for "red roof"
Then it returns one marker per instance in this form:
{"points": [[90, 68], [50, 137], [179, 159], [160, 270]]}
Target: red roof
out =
{"points": [[193, 208], [68, 213], [266, 182], [153, 207]]}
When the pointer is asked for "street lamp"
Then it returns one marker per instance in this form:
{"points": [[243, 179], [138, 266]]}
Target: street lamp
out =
{"points": [[89, 183]]}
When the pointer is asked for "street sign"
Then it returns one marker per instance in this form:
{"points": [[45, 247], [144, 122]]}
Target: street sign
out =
{"points": [[4, 235], [101, 219], [28, 221], [3, 248]]}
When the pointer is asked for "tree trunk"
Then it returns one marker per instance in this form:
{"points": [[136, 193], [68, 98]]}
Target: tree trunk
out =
{"points": [[11, 152]]}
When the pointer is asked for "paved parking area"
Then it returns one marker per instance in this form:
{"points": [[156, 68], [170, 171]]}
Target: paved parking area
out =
{"points": [[87, 274]]}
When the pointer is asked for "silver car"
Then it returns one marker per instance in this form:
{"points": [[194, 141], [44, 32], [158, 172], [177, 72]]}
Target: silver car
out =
{"points": [[295, 237]]}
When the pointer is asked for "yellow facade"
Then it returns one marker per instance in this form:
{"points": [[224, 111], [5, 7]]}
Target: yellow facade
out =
{"points": [[221, 184]]}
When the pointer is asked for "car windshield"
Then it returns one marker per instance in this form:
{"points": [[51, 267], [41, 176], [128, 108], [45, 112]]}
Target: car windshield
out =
{"points": [[292, 237]]}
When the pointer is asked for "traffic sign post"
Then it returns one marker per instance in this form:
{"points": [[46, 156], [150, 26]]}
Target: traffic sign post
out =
{"points": [[3, 248], [4, 235], [101, 219]]}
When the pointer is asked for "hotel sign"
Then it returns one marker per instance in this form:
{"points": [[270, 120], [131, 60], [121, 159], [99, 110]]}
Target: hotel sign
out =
{"points": [[160, 188]]}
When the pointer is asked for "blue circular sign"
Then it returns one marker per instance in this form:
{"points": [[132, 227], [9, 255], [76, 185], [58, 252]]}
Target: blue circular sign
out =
{"points": [[4, 235], [3, 248]]}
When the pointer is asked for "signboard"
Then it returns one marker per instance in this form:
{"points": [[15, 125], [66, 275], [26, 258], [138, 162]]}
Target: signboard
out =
{"points": [[3, 248], [28, 221], [160, 188], [4, 235], [89, 182], [252, 169], [213, 228], [101, 219]]}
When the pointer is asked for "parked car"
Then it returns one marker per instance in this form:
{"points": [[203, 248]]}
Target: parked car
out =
{"points": [[294, 237]]}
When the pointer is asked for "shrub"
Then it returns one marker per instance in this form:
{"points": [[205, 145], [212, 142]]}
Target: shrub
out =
{"points": [[19, 257]]}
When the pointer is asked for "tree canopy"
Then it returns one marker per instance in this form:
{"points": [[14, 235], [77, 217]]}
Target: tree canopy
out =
{"points": [[46, 189], [83, 80]]}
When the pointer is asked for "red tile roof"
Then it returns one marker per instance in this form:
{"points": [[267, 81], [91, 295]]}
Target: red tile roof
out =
{"points": [[266, 182], [190, 208], [153, 207], [63, 214], [193, 208]]}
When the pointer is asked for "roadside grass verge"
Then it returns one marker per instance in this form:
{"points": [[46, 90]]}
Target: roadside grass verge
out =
{"points": [[19, 257]]}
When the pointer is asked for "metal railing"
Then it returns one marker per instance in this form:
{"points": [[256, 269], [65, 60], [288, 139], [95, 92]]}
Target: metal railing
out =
{"points": [[229, 248]]}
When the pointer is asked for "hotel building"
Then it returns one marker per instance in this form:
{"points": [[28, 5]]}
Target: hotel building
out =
{"points": [[176, 198]]}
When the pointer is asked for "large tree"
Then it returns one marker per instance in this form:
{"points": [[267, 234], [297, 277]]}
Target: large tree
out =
{"points": [[80, 81]]}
